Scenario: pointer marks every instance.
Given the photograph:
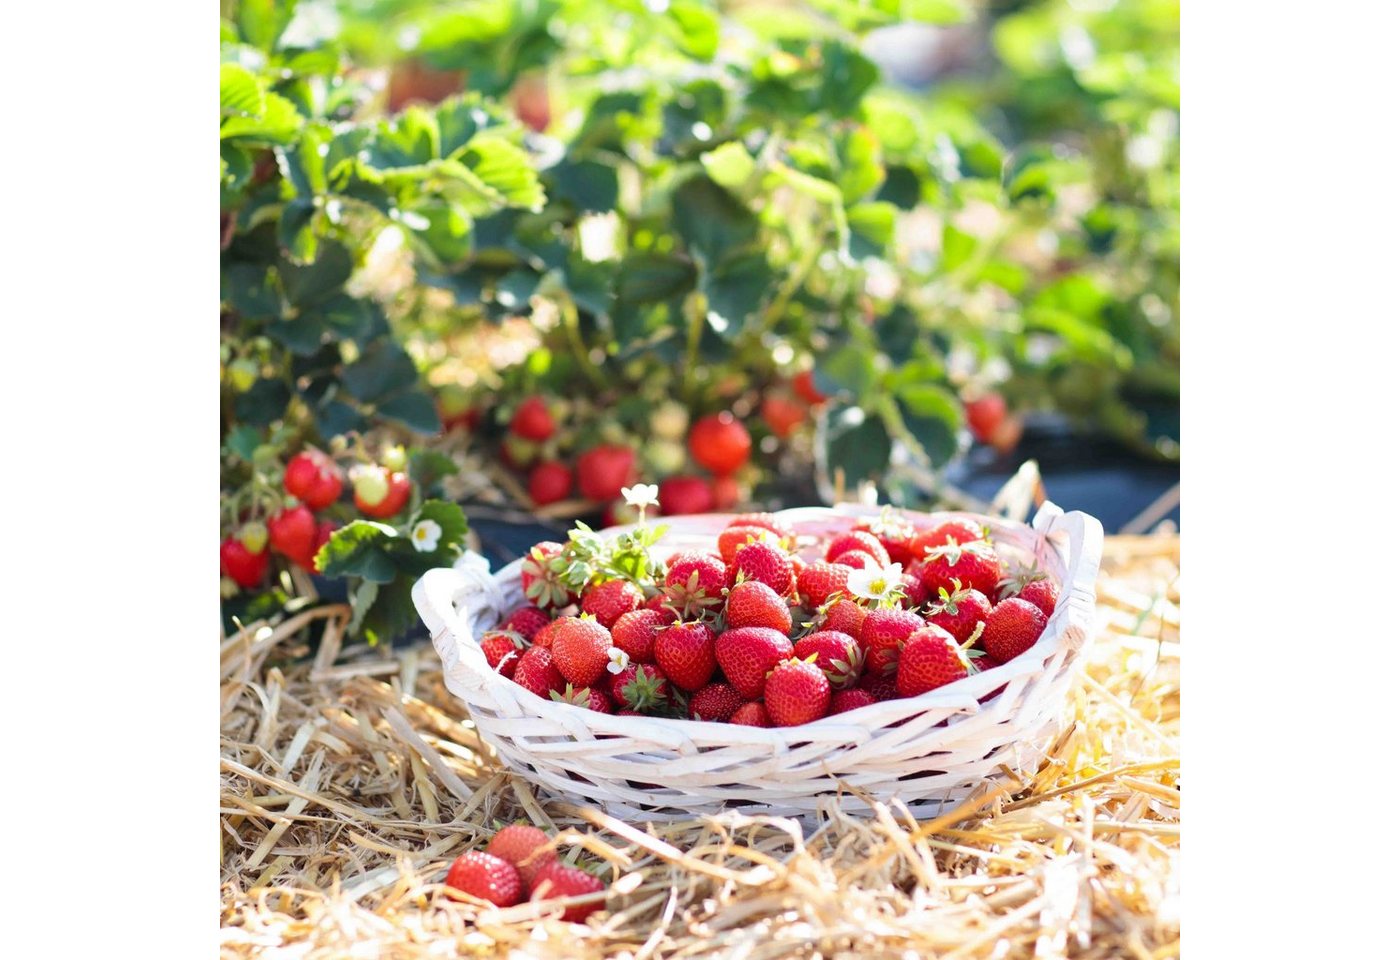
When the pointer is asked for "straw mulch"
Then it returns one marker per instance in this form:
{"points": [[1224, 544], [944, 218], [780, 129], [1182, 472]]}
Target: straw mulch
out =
{"points": [[351, 780]]}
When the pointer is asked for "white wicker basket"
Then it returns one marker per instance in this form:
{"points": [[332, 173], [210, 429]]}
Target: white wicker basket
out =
{"points": [[929, 751]]}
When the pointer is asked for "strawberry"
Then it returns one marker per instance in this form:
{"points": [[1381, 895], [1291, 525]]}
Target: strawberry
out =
{"points": [[550, 481], [781, 412], [732, 538], [580, 646], [502, 649], [558, 880], [245, 567], [486, 876], [541, 576], [886, 628], [725, 491], [974, 564], [961, 529], [610, 599], [959, 611], [715, 702], [681, 495], [929, 659], [379, 492], [915, 593], [842, 615], [532, 420], [604, 470], [313, 478], [881, 686], [685, 652], [767, 564], [751, 714], [804, 387], [894, 533], [719, 443], [746, 654], [590, 698], [292, 532], [768, 522], [854, 559], [526, 621], [883, 661], [695, 581], [796, 692], [857, 540], [850, 700], [985, 415], [526, 848], [640, 687], [820, 581], [1012, 628], [661, 604], [634, 632], [1042, 593], [537, 673], [837, 655], [755, 604], [545, 636]]}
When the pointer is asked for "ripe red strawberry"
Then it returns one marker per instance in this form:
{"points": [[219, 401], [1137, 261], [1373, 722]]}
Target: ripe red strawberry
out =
{"points": [[541, 577], [746, 654], [524, 847], [719, 443], [661, 604], [751, 714], [915, 593], [806, 388], [885, 628], [695, 582], [550, 481], [611, 599], [292, 532], [755, 604], [580, 648], [725, 490], [532, 420], [843, 616], [537, 673], [881, 686], [503, 649], [883, 661], [1012, 628], [796, 692], [819, 581], [857, 540], [850, 700], [781, 412], [767, 564], [715, 702], [556, 880], [930, 658], [768, 522], [241, 564], [974, 564], [604, 470], [313, 478], [959, 611], [985, 415], [685, 652], [732, 538], [634, 632], [681, 495], [854, 559], [640, 686], [486, 877], [1042, 593], [526, 621], [893, 531], [590, 698], [545, 636], [838, 655], [960, 529]]}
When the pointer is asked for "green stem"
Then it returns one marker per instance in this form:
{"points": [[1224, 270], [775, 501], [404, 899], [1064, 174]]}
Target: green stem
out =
{"points": [[695, 319], [568, 315]]}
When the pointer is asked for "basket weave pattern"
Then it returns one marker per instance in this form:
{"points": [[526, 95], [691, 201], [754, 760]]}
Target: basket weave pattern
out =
{"points": [[929, 751]]}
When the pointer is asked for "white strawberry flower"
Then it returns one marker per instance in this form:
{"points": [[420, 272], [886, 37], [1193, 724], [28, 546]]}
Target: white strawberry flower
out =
{"points": [[642, 495], [876, 583], [425, 536], [618, 660]]}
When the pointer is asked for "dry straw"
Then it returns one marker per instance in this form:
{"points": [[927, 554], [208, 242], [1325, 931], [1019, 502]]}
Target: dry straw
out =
{"points": [[351, 780]]}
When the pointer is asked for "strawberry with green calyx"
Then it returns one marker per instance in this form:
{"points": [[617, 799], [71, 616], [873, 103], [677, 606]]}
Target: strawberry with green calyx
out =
{"points": [[532, 420], [1031, 585], [796, 692], [837, 655], [590, 698], [244, 567], [526, 621], [580, 646], [893, 531], [769, 522], [859, 541], [767, 564], [610, 599], [751, 603], [1012, 628], [959, 611], [313, 478], [929, 659], [685, 652], [641, 687], [557, 881], [542, 576], [635, 632], [842, 615], [732, 538], [820, 582], [747, 654], [974, 565], [695, 582], [503, 649], [885, 628]]}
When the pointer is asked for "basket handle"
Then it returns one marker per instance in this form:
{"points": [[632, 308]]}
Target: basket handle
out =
{"points": [[1078, 538], [436, 595]]}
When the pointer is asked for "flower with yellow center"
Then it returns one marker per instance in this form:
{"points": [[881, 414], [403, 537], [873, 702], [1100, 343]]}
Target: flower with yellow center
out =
{"points": [[425, 536]]}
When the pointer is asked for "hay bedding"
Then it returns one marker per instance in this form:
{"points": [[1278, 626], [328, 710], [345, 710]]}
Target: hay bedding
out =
{"points": [[349, 783]]}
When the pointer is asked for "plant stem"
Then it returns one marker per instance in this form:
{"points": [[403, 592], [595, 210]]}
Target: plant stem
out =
{"points": [[568, 315]]}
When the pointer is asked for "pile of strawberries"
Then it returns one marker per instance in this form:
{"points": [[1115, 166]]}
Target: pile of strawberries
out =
{"points": [[520, 863], [765, 631]]}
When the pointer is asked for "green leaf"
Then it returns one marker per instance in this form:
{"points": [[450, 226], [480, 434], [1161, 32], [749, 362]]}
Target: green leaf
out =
{"points": [[873, 223], [958, 247], [735, 291], [818, 189], [278, 124], [507, 169], [933, 417], [358, 549], [301, 335], [304, 163], [310, 284], [710, 220], [261, 22], [901, 188], [940, 12], [857, 444], [411, 139], [846, 75], [426, 467], [848, 370], [243, 440], [695, 28], [240, 94], [862, 164], [650, 277], [445, 227], [458, 120], [296, 232], [589, 185], [414, 410], [392, 613], [362, 599], [384, 369], [728, 165], [453, 522], [263, 403]]}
